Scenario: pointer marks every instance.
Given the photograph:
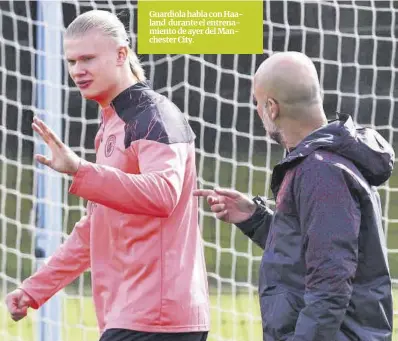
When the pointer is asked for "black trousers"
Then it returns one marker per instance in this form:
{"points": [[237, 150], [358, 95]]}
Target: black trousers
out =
{"points": [[131, 335]]}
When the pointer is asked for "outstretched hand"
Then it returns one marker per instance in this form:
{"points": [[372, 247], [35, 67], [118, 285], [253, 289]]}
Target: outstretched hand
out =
{"points": [[229, 205], [63, 160]]}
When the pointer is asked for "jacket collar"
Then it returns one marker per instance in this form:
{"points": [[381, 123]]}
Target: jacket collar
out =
{"points": [[129, 97], [320, 138]]}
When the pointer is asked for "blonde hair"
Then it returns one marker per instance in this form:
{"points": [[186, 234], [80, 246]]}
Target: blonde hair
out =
{"points": [[110, 25]]}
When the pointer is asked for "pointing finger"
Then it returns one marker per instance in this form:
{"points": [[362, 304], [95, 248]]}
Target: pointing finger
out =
{"points": [[203, 192]]}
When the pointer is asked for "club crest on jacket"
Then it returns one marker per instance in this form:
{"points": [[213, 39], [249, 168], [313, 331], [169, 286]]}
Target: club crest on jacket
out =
{"points": [[110, 145]]}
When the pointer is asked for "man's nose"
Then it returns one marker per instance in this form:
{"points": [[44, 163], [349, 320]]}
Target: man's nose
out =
{"points": [[78, 69]]}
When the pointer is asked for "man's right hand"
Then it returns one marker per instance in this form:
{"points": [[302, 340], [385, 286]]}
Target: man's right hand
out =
{"points": [[18, 302], [229, 205]]}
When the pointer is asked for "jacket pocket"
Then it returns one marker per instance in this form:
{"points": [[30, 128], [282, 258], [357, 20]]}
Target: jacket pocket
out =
{"points": [[279, 314]]}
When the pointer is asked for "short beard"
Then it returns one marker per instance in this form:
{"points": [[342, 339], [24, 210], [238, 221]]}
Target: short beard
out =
{"points": [[277, 137], [274, 135]]}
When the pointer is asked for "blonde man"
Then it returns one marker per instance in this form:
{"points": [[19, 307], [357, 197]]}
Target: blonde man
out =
{"points": [[140, 236]]}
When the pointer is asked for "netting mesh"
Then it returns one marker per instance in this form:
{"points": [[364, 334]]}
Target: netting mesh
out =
{"points": [[353, 45]]}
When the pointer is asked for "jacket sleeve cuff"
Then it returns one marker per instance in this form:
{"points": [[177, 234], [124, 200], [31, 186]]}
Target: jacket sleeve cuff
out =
{"points": [[33, 303], [78, 177], [247, 226]]}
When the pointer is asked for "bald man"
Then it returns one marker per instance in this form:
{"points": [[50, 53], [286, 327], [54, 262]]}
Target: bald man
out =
{"points": [[324, 274]]}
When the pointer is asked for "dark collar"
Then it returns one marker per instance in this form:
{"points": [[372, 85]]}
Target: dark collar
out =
{"points": [[129, 97]]}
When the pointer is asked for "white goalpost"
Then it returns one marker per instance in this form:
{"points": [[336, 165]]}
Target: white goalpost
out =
{"points": [[353, 44], [48, 210]]}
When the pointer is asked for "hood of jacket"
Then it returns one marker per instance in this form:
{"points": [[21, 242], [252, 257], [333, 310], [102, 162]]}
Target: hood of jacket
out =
{"points": [[365, 147]]}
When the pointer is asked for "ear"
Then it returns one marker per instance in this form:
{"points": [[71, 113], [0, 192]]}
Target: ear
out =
{"points": [[273, 109], [122, 55]]}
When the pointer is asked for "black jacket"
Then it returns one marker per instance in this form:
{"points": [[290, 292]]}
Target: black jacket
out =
{"points": [[324, 274]]}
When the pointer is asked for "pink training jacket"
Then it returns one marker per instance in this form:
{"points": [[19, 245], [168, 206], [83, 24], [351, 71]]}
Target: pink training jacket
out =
{"points": [[140, 235]]}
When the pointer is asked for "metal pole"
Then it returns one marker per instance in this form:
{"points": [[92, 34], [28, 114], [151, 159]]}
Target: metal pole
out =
{"points": [[49, 183]]}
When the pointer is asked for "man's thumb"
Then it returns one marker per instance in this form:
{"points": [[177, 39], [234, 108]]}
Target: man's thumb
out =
{"points": [[25, 301]]}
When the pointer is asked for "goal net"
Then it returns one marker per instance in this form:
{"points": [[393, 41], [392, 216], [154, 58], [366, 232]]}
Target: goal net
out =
{"points": [[353, 45]]}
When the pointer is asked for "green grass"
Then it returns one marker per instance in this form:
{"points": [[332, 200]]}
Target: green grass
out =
{"points": [[80, 323]]}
